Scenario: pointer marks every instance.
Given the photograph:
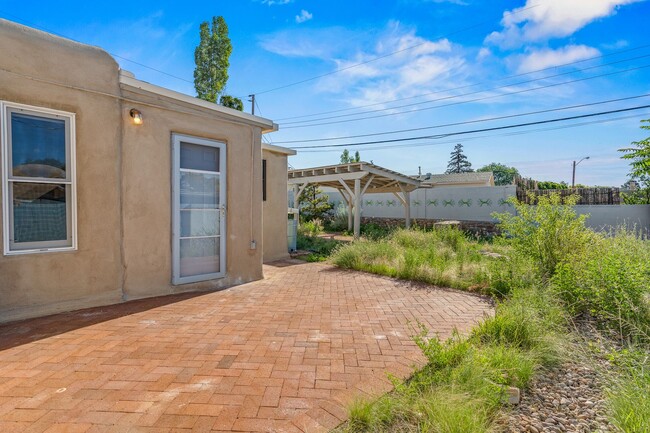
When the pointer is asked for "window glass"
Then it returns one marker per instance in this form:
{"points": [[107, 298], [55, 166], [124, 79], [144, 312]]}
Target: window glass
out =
{"points": [[197, 157], [199, 256], [201, 222], [199, 190], [38, 146], [39, 212]]}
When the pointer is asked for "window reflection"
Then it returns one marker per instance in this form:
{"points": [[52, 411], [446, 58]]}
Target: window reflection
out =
{"points": [[38, 146], [39, 212]]}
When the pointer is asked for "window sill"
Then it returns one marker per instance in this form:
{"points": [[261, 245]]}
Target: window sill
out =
{"points": [[40, 251]]}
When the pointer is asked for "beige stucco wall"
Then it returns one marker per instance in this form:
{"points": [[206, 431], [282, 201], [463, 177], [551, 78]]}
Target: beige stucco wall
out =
{"points": [[36, 284], [146, 186], [123, 181], [275, 207]]}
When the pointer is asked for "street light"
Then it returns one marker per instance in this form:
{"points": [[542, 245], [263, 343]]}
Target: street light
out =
{"points": [[573, 179]]}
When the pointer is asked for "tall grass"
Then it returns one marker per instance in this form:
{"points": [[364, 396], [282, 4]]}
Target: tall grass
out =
{"points": [[629, 393], [465, 381], [442, 257], [552, 269]]}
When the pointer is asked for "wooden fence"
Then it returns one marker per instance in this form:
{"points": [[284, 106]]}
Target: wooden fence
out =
{"points": [[587, 195]]}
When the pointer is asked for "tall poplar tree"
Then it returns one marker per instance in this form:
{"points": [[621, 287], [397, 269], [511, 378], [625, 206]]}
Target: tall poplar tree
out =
{"points": [[212, 58], [458, 162]]}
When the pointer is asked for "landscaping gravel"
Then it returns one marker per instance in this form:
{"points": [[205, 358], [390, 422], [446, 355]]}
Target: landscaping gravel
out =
{"points": [[567, 399]]}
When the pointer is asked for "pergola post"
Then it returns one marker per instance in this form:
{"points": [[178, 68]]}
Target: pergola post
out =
{"points": [[405, 198], [350, 210], [296, 193], [357, 208], [407, 208]]}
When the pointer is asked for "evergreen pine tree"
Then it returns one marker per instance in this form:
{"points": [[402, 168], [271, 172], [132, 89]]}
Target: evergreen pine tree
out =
{"points": [[458, 162]]}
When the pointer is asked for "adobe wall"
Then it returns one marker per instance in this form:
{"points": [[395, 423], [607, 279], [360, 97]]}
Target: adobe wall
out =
{"points": [[51, 72], [275, 207], [124, 179], [146, 188]]}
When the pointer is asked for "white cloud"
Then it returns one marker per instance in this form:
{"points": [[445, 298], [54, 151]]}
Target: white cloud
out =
{"points": [[396, 63], [546, 58], [540, 20], [621, 43], [325, 43], [303, 16], [417, 66], [276, 2], [457, 2], [483, 53]]}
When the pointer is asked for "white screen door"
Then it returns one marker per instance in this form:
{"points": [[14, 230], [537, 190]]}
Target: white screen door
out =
{"points": [[198, 209]]}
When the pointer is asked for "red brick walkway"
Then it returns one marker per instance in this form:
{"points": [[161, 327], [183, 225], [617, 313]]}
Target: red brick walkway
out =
{"points": [[288, 353]]}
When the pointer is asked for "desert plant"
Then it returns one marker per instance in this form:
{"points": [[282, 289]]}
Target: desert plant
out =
{"points": [[610, 283], [310, 228], [549, 232]]}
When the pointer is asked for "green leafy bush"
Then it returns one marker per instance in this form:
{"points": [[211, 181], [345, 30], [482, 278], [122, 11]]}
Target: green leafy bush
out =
{"points": [[549, 232], [339, 220], [313, 227], [610, 282]]}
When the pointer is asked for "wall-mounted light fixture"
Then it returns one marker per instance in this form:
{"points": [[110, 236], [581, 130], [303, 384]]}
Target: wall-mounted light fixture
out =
{"points": [[136, 115]]}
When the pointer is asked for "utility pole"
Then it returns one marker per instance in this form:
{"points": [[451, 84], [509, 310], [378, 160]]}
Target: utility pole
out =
{"points": [[573, 178], [252, 101]]}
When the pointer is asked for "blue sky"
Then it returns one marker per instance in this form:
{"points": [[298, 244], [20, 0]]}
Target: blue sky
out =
{"points": [[451, 61]]}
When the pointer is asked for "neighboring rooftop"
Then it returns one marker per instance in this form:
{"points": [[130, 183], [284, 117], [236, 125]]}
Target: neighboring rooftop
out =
{"points": [[484, 177]]}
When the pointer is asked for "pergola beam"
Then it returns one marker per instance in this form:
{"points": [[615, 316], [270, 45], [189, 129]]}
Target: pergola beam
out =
{"points": [[333, 177]]}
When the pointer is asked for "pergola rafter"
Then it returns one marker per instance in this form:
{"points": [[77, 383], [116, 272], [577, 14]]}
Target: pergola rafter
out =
{"points": [[352, 181]]}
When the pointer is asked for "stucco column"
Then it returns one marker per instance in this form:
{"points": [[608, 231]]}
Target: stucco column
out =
{"points": [[357, 208], [407, 208]]}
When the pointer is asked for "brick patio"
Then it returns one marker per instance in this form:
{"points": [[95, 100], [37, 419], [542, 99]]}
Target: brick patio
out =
{"points": [[286, 354]]}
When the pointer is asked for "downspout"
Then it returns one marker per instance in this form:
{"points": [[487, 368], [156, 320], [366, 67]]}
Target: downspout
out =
{"points": [[253, 243]]}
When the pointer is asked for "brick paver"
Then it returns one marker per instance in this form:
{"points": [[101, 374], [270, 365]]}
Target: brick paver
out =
{"points": [[287, 354]]}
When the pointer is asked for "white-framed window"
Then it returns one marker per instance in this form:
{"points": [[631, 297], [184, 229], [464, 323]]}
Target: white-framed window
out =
{"points": [[38, 179]]}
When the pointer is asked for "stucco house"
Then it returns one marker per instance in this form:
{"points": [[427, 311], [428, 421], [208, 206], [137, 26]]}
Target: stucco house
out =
{"points": [[116, 189]]}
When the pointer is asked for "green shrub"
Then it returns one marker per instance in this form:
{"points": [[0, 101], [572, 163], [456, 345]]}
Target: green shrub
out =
{"points": [[321, 248], [339, 220], [529, 319], [441, 354], [549, 232], [511, 326], [610, 282], [375, 232], [310, 228], [507, 274]]}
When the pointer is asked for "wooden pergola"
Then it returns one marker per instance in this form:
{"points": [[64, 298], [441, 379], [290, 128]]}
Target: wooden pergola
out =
{"points": [[352, 181]]}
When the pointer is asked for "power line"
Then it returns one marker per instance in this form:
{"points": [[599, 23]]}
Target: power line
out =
{"points": [[479, 137], [488, 119], [469, 93], [112, 54], [466, 86], [474, 131], [475, 99], [389, 54]]}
